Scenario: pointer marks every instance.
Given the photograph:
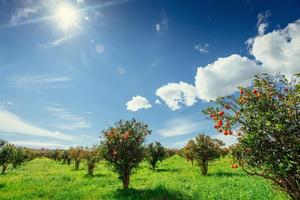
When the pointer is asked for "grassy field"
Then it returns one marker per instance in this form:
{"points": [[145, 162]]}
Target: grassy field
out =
{"points": [[174, 179]]}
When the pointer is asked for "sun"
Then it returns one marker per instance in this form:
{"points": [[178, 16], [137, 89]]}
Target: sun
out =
{"points": [[66, 16]]}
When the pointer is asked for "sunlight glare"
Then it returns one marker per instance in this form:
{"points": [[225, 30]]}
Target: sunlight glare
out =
{"points": [[67, 17]]}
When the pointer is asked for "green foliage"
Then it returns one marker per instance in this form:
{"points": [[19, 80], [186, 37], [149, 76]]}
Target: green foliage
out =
{"points": [[267, 123], [156, 152], [206, 149], [18, 157], [6, 155], [123, 147]]}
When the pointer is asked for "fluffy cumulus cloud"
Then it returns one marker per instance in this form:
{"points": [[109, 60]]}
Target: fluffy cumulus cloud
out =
{"points": [[175, 94], [273, 52], [279, 50], [222, 77], [137, 103]]}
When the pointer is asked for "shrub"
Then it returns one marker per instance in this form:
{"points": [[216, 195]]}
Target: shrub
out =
{"points": [[266, 119], [92, 157], [66, 157], [77, 154], [189, 151], [18, 156], [206, 149], [123, 147], [156, 152], [55, 154], [6, 155]]}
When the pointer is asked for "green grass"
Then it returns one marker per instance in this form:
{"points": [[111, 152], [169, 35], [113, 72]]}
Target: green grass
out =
{"points": [[175, 178]]}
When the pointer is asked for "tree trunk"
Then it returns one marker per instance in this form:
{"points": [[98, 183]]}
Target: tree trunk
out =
{"points": [[77, 162], [192, 161], [126, 177], [204, 168], [64, 161], [68, 161], [4, 167], [90, 168], [153, 164]]}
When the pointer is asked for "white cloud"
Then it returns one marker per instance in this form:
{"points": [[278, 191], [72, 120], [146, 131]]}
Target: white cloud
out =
{"points": [[202, 48], [99, 48], [222, 77], [11, 123], [24, 81], [137, 103], [121, 71], [228, 140], [38, 144], [174, 94], [157, 101], [57, 41], [279, 50], [71, 121], [179, 126], [262, 23], [25, 12], [163, 25]]}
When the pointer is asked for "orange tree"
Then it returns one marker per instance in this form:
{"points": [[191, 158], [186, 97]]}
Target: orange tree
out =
{"points": [[265, 118], [189, 151], [156, 152], [6, 154], [92, 157], [123, 147], [206, 149], [18, 157], [77, 154]]}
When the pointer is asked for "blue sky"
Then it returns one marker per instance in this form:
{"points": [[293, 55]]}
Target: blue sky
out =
{"points": [[69, 69]]}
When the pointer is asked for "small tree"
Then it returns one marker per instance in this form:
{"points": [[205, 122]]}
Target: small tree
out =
{"points": [[156, 152], [6, 154], [266, 121], [123, 147], [92, 157], [206, 149], [189, 151], [66, 157], [77, 154], [18, 157], [55, 154]]}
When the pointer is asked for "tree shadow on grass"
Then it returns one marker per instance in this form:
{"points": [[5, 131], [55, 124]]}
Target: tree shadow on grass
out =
{"points": [[2, 185], [225, 174], [167, 170], [158, 193]]}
